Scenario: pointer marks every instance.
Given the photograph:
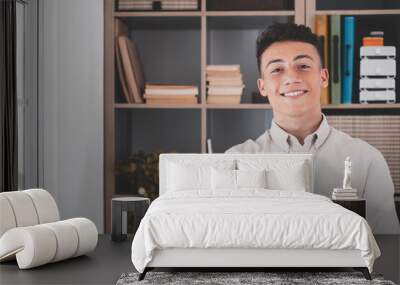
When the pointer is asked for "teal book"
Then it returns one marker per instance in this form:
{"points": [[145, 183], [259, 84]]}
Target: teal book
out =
{"points": [[348, 59]]}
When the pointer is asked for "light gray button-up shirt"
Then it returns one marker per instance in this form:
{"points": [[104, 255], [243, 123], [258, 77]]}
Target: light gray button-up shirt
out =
{"points": [[370, 172]]}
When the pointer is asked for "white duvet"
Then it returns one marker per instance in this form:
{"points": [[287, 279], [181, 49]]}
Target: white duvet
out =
{"points": [[251, 218]]}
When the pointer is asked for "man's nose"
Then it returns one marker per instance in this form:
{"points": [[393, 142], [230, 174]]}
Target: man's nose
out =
{"points": [[291, 77]]}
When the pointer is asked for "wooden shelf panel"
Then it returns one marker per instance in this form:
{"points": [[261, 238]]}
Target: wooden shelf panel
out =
{"points": [[358, 12], [158, 14], [156, 106], [250, 13], [129, 14], [250, 106], [238, 106], [363, 106]]}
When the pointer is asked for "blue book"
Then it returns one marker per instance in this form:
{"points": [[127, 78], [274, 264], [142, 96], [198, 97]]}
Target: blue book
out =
{"points": [[348, 59]]}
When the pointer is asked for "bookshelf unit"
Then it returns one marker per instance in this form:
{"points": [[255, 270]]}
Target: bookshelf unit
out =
{"points": [[175, 47]]}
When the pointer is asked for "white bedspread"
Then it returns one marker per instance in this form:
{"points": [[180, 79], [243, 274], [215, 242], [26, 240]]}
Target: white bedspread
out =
{"points": [[251, 218]]}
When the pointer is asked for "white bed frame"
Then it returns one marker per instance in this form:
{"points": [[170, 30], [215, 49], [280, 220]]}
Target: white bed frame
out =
{"points": [[250, 257]]}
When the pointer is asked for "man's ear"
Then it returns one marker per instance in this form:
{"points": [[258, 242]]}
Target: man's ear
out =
{"points": [[324, 77], [261, 87]]}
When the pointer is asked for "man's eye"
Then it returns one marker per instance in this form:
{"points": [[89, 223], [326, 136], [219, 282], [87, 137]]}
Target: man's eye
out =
{"points": [[276, 70], [304, 66]]}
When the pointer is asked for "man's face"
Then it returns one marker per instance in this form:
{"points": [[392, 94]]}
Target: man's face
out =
{"points": [[292, 77]]}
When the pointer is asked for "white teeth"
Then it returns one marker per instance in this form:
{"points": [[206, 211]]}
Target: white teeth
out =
{"points": [[294, 93]]}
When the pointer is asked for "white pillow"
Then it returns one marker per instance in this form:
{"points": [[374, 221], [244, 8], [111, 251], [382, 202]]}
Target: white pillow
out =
{"points": [[236, 179], [187, 175], [223, 179], [282, 174], [251, 178], [290, 178]]}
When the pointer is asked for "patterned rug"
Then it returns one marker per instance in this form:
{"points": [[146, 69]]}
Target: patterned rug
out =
{"points": [[269, 278]]}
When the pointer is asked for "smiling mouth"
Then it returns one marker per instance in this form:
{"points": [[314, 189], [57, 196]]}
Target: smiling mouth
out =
{"points": [[296, 93]]}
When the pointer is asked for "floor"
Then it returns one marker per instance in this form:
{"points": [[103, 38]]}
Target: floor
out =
{"points": [[110, 260], [102, 266]]}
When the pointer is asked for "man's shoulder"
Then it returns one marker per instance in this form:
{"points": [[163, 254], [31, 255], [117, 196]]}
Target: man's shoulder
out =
{"points": [[355, 143], [250, 146]]}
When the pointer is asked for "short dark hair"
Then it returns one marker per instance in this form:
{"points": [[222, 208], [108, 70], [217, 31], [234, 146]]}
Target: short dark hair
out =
{"points": [[285, 32]]}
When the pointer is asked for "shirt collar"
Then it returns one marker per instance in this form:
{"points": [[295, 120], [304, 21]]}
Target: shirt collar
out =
{"points": [[279, 136], [322, 132], [282, 138]]}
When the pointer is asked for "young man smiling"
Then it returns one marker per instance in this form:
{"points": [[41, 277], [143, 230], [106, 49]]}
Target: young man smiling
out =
{"points": [[292, 77]]}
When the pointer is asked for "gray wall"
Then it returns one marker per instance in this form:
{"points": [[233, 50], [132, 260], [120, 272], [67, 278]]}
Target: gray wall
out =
{"points": [[71, 105]]}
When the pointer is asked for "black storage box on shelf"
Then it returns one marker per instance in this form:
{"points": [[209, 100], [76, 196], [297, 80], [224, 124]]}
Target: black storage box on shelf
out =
{"points": [[249, 5]]}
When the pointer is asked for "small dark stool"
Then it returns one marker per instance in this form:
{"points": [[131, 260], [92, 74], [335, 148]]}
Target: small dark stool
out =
{"points": [[137, 205]]}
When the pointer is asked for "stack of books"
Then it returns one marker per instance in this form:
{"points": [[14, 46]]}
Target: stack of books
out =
{"points": [[224, 84], [344, 194], [170, 94], [179, 5], [135, 5], [126, 5]]}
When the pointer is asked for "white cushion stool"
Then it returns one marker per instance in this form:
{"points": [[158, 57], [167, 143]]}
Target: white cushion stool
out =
{"points": [[31, 232]]}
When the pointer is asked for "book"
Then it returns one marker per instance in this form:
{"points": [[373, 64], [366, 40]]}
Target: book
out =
{"points": [[348, 59], [193, 91], [321, 30], [232, 67], [192, 100], [179, 6], [222, 73], [223, 99], [335, 66], [122, 78], [119, 30], [216, 78], [222, 90], [344, 198], [163, 97], [135, 5], [345, 191], [225, 82], [132, 68], [168, 86], [342, 194], [137, 69]]}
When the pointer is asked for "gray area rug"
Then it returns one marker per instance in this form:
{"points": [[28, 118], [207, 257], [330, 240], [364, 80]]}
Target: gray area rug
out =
{"points": [[228, 278]]}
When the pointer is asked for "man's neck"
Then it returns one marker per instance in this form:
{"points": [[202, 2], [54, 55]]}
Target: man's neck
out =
{"points": [[301, 126]]}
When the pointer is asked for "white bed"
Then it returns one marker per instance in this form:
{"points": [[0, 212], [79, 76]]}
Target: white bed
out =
{"points": [[202, 220]]}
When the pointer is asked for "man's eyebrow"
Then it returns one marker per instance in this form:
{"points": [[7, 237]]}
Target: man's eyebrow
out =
{"points": [[300, 56], [303, 56], [273, 61]]}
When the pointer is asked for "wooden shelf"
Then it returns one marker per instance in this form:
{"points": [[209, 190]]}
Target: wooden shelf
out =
{"points": [[238, 106], [251, 106], [250, 13], [129, 14], [362, 106], [158, 14], [156, 106], [358, 12]]}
